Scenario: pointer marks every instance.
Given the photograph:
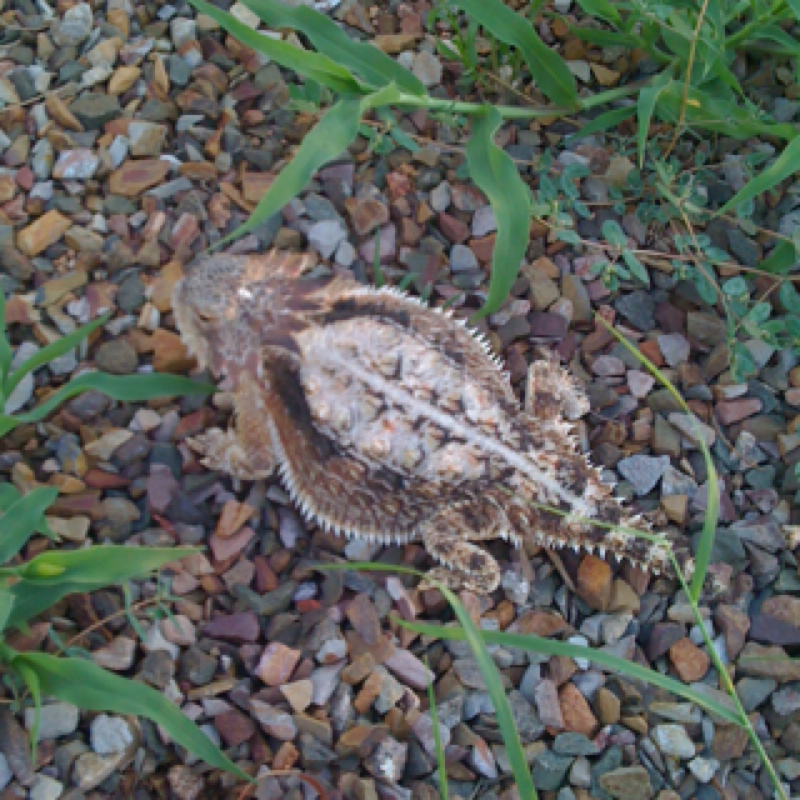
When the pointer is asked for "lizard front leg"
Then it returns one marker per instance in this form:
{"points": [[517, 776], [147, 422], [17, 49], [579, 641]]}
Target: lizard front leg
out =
{"points": [[245, 451]]}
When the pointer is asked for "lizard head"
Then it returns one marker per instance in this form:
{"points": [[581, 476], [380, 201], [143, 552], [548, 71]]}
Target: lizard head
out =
{"points": [[225, 303]]}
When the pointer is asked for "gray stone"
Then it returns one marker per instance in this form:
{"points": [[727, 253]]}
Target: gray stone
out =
{"points": [[5, 772], [462, 259], [45, 788], [75, 26], [627, 783], [549, 770], [484, 221], [638, 308], [94, 110], [674, 347], [643, 472], [117, 357], [56, 719], [326, 236]]}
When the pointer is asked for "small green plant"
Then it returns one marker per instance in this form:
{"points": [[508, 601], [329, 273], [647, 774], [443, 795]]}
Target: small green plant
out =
{"points": [[126, 388], [29, 589]]}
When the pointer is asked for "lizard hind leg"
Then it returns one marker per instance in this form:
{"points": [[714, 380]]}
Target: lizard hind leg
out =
{"points": [[449, 538]]}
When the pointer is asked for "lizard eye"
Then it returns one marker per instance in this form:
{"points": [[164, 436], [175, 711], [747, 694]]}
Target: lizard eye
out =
{"points": [[206, 316]]}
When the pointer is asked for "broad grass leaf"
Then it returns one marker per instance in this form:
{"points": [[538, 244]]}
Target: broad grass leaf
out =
{"points": [[604, 38], [329, 138], [6, 604], [8, 496], [32, 682], [785, 165], [365, 60], [602, 9], [645, 105], [126, 388], [781, 260], [56, 349], [495, 173], [603, 122], [316, 66], [84, 684], [494, 684], [56, 574], [614, 664], [717, 112], [548, 69], [22, 519]]}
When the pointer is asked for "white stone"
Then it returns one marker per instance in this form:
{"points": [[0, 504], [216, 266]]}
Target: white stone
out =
{"points": [[673, 740], [45, 788], [110, 735]]}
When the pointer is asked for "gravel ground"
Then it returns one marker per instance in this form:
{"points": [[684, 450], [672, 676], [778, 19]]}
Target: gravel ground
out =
{"points": [[131, 137]]}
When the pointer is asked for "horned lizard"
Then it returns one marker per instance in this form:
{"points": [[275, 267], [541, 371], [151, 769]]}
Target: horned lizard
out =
{"points": [[392, 421]]}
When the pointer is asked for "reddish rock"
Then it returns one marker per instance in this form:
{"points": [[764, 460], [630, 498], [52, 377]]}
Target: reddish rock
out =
{"points": [[134, 177], [234, 727], [734, 625], [240, 628], [366, 214], [730, 411], [690, 662], [578, 716], [453, 228]]}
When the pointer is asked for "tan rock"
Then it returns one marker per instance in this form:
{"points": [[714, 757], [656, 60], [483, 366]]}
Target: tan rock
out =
{"points": [[277, 664], [255, 185], [608, 706], [595, 582], [299, 694], [234, 516], [60, 112], [8, 188], [170, 353], [122, 79], [393, 43], [47, 230], [161, 294], [120, 20]]}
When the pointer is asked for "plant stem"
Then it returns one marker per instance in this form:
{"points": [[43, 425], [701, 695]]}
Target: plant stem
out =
{"points": [[742, 35], [513, 112]]}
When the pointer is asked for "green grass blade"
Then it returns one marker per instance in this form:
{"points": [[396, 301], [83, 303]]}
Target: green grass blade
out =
{"points": [[318, 67], [8, 496], [786, 164], [615, 664], [54, 350], [645, 105], [32, 682], [126, 388], [494, 685], [364, 60], [602, 9], [56, 574], [706, 542], [444, 790], [6, 604], [495, 173], [781, 260], [22, 519], [603, 122], [84, 684], [329, 138], [548, 69], [5, 350]]}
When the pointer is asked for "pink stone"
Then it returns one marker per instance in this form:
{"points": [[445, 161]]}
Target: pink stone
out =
{"points": [[277, 664], [225, 548]]}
